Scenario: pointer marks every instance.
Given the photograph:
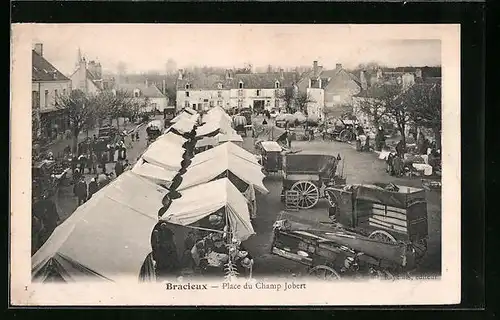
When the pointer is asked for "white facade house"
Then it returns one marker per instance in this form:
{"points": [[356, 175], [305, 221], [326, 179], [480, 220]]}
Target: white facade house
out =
{"points": [[147, 94], [87, 77], [258, 91], [47, 85]]}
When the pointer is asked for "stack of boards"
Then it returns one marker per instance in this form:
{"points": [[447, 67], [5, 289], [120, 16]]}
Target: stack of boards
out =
{"points": [[388, 218]]}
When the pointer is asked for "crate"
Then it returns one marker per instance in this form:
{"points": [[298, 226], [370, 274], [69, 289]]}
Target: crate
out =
{"points": [[292, 200]]}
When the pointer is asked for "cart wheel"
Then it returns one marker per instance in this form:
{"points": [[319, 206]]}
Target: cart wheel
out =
{"points": [[324, 273], [382, 236], [308, 194], [346, 135]]}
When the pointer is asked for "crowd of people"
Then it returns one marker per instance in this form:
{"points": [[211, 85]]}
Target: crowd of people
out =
{"points": [[206, 250]]}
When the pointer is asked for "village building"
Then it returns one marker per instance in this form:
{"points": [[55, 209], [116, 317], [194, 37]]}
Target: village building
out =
{"points": [[372, 83], [257, 91], [328, 88], [148, 95], [48, 84], [88, 75]]}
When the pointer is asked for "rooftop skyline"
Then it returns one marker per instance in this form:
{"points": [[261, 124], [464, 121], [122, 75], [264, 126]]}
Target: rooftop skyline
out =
{"points": [[146, 47]]}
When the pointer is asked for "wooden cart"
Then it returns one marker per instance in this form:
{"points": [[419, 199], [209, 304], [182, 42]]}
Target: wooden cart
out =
{"points": [[271, 159], [307, 173], [383, 212], [332, 254]]}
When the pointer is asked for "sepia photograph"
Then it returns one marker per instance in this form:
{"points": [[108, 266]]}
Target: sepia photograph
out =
{"points": [[247, 161]]}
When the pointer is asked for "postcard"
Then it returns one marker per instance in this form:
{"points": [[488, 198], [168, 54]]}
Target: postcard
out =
{"points": [[235, 164]]}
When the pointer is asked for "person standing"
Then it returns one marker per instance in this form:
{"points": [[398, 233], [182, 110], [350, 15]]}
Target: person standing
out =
{"points": [[80, 191], [93, 163], [103, 162], [379, 139], [74, 163], [400, 149], [118, 168], [93, 187], [82, 161], [137, 137]]}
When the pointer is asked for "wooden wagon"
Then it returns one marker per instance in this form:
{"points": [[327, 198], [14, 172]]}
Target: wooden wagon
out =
{"points": [[332, 254], [383, 212], [306, 173]]}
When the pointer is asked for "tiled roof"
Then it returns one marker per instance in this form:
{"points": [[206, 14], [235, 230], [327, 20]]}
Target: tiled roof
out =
{"points": [[264, 80], [250, 81], [327, 76], [42, 70], [146, 91]]}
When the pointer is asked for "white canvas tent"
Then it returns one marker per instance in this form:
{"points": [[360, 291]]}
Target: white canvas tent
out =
{"points": [[107, 237], [204, 172], [165, 155], [182, 115], [212, 126], [155, 173], [170, 138], [220, 151], [184, 125], [200, 201], [229, 137]]}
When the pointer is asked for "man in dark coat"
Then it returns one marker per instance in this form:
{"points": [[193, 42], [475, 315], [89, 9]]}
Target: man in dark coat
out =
{"points": [[46, 211], [118, 168], [164, 252], [380, 139], [400, 149], [80, 191], [93, 187]]}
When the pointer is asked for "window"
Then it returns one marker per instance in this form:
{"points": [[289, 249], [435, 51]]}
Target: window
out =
{"points": [[187, 93], [336, 98], [277, 84], [186, 104], [188, 86], [219, 102], [219, 94], [46, 98], [219, 85], [258, 93], [55, 93], [211, 103], [240, 85], [64, 92], [314, 83]]}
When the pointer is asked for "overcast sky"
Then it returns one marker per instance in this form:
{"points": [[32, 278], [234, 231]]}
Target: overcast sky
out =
{"points": [[148, 47]]}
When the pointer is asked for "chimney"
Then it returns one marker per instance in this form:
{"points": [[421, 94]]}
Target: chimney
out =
{"points": [[282, 74], [147, 83], [315, 66], [164, 87], [39, 48], [418, 73], [229, 74], [362, 78], [379, 74], [338, 66], [181, 74]]}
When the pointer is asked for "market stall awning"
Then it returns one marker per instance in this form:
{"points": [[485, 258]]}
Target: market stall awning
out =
{"points": [[214, 125], [207, 141], [184, 125], [208, 170], [220, 151], [190, 110], [200, 201], [182, 115], [271, 146], [153, 172], [216, 113], [106, 238], [165, 155], [155, 124], [171, 138], [232, 136]]}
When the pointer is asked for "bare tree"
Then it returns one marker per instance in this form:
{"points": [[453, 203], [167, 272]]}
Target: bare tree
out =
{"points": [[302, 100], [424, 101], [115, 104], [288, 96], [80, 109], [374, 107], [397, 108]]}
